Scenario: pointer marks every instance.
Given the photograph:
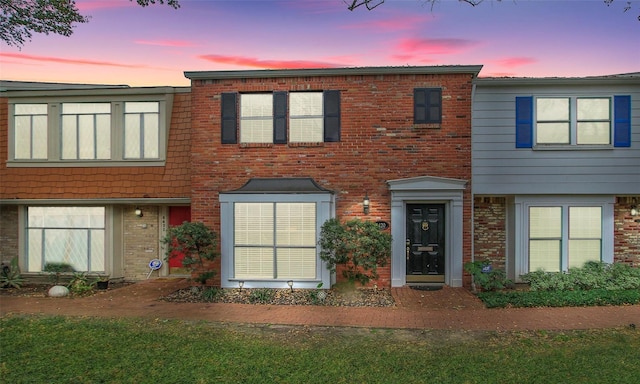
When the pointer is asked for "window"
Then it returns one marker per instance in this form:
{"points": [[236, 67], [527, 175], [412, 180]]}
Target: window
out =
{"points": [[275, 240], [305, 117], [427, 106], [141, 130], [558, 233], [280, 117], [86, 131], [30, 131], [71, 235], [96, 132], [256, 118], [573, 121]]}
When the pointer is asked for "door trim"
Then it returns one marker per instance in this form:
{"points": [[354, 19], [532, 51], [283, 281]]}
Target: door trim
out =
{"points": [[428, 190]]}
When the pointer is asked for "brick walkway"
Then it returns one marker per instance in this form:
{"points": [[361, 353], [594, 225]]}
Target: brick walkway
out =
{"points": [[449, 308]]}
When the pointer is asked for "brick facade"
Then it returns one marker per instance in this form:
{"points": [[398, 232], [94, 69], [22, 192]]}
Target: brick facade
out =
{"points": [[8, 232], [379, 142], [489, 230], [626, 232]]}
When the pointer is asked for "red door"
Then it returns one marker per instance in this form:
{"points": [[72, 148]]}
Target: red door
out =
{"points": [[177, 216]]}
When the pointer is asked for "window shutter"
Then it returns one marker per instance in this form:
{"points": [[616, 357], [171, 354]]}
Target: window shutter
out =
{"points": [[280, 117], [524, 122], [331, 116], [622, 121], [427, 106], [229, 125]]}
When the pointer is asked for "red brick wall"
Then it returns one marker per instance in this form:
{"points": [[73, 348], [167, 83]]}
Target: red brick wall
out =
{"points": [[379, 142], [103, 182], [626, 232], [489, 230]]}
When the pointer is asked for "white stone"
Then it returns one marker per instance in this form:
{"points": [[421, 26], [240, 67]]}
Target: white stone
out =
{"points": [[58, 291]]}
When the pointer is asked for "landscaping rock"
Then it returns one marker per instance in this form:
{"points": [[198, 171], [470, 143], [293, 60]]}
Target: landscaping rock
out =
{"points": [[58, 291]]}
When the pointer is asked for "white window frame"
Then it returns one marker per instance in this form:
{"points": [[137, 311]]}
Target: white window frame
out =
{"points": [[298, 116], [80, 131], [573, 122], [31, 117], [255, 119], [147, 122], [324, 211], [522, 205]]}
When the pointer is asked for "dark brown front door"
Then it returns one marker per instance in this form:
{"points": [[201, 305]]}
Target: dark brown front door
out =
{"points": [[425, 243]]}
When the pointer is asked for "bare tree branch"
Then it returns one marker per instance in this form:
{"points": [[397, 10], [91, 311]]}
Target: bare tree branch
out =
{"points": [[370, 4]]}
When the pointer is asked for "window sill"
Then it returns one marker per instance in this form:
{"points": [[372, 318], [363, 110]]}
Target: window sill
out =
{"points": [[309, 144], [561, 147], [427, 126], [83, 164]]}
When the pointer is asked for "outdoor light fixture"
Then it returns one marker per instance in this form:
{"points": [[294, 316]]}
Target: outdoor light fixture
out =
{"points": [[634, 207], [138, 212], [365, 204], [290, 284], [240, 284]]}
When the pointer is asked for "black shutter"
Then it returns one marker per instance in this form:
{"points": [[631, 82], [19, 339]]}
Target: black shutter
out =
{"points": [[331, 116], [229, 125], [280, 117], [524, 122], [427, 106]]}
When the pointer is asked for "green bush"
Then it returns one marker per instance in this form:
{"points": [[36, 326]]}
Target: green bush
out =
{"points": [[360, 246], [10, 276], [579, 298], [198, 244], [261, 296], [493, 280], [593, 275]]}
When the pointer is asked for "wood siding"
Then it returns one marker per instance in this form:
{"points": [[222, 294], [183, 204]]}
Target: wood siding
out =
{"points": [[499, 168]]}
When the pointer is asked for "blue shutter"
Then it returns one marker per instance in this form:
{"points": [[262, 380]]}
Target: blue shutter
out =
{"points": [[331, 116], [280, 117], [229, 124], [622, 121], [524, 122]]}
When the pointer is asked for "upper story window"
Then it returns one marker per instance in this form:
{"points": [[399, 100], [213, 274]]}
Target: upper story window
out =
{"points": [[86, 131], [30, 134], [305, 117], [141, 130], [96, 133], [557, 124], [256, 118], [281, 117], [427, 106], [573, 122]]}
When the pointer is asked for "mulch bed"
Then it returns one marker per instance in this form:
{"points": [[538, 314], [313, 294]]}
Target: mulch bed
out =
{"points": [[348, 298]]}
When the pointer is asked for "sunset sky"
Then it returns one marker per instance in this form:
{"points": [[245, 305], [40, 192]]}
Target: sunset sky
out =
{"points": [[124, 43]]}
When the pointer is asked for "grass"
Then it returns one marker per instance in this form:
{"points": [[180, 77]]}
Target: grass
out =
{"points": [[84, 350]]}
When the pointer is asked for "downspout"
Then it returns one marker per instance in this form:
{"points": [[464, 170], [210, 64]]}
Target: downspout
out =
{"points": [[473, 283]]}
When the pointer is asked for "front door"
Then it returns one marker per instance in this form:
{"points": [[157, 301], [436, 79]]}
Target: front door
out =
{"points": [[425, 240], [177, 216]]}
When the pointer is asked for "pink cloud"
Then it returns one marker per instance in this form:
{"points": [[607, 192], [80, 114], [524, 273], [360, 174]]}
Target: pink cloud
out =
{"points": [[415, 47], [266, 64], [60, 60], [166, 43], [395, 24], [515, 61], [90, 5]]}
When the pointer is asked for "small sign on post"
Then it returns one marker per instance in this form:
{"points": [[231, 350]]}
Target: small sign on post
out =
{"points": [[154, 265]]}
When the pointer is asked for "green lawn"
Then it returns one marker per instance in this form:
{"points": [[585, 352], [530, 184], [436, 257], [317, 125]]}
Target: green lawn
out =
{"points": [[82, 350]]}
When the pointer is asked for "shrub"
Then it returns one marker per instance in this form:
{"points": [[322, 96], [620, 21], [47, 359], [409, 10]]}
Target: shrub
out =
{"points": [[491, 280], [10, 276], [360, 246], [261, 296], [197, 243], [593, 275], [79, 284], [527, 299]]}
